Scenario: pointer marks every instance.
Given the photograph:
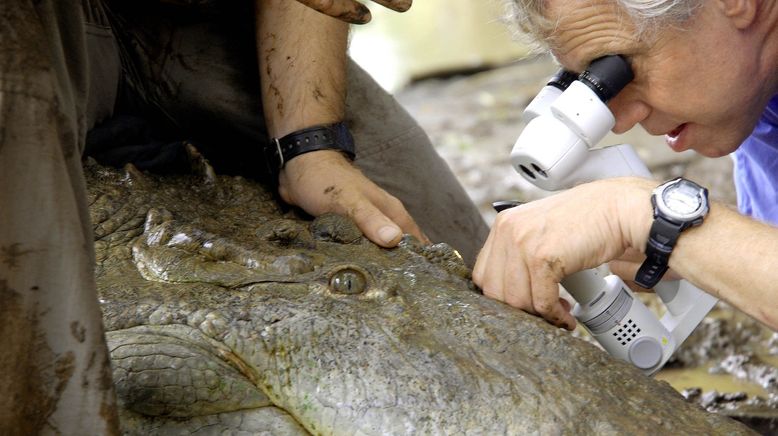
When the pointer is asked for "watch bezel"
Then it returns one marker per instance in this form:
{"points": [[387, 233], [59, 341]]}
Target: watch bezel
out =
{"points": [[665, 231], [664, 209]]}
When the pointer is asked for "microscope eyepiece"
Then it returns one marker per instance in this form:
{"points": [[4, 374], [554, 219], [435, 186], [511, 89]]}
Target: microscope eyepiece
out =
{"points": [[562, 79], [607, 76]]}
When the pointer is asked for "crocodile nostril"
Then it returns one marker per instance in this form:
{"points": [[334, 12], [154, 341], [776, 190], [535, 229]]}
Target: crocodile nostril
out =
{"points": [[348, 281]]}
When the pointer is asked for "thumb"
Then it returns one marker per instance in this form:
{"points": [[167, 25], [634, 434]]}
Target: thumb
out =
{"points": [[376, 226]]}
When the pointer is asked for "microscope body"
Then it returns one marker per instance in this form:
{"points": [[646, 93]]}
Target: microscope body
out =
{"points": [[619, 321], [555, 151]]}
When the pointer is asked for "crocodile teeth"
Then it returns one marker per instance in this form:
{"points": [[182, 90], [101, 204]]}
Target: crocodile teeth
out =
{"points": [[134, 177], [200, 165]]}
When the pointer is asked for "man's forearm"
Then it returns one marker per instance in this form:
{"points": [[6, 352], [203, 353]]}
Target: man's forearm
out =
{"points": [[302, 60], [734, 258]]}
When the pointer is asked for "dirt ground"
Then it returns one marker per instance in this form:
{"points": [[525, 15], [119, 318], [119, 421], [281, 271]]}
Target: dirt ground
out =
{"points": [[729, 364]]}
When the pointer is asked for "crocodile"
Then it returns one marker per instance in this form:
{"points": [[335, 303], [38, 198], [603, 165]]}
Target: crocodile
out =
{"points": [[228, 313]]}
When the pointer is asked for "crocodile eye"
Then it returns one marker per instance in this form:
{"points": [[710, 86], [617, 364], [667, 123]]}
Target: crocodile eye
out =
{"points": [[348, 281]]}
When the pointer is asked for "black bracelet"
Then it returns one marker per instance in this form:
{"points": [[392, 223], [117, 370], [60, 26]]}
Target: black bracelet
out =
{"points": [[327, 137]]}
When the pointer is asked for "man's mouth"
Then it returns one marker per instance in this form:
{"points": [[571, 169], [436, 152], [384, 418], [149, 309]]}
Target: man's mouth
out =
{"points": [[677, 131], [675, 138]]}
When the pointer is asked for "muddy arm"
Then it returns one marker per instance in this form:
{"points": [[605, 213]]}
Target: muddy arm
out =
{"points": [[302, 57]]}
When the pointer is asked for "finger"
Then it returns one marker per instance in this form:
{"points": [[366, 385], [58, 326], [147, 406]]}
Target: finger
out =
{"points": [[481, 263], [345, 10], [488, 272], [627, 265], [501, 272], [395, 211], [516, 284], [627, 271], [565, 304], [548, 305], [375, 225], [517, 289], [395, 5], [546, 301], [408, 225]]}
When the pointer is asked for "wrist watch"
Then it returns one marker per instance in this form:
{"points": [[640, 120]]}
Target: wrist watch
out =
{"points": [[678, 205], [325, 137]]}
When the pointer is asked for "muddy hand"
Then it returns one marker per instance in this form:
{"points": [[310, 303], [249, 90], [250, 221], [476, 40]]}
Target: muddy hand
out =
{"points": [[531, 248], [352, 11], [325, 181]]}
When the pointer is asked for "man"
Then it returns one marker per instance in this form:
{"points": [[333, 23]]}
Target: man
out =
{"points": [[66, 68], [704, 73]]}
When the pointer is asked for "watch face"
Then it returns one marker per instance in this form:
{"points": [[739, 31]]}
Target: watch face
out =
{"points": [[682, 200]]}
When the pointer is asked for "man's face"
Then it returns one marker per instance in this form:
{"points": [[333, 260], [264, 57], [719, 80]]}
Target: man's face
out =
{"points": [[702, 87]]}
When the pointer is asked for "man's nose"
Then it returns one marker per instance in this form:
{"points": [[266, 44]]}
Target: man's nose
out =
{"points": [[628, 112]]}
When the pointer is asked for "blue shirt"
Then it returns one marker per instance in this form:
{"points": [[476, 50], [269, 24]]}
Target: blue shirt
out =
{"points": [[756, 168]]}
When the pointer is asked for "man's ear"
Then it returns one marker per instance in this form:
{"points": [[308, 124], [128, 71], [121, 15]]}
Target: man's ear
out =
{"points": [[741, 12]]}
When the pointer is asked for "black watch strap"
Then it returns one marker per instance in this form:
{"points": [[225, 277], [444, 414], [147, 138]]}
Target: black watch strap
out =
{"points": [[326, 137], [661, 241]]}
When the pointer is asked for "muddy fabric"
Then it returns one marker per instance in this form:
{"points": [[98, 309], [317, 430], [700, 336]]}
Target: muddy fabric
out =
{"points": [[197, 69], [54, 372]]}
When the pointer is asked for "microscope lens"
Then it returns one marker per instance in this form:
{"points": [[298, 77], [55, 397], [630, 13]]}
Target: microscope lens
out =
{"points": [[607, 76], [562, 79]]}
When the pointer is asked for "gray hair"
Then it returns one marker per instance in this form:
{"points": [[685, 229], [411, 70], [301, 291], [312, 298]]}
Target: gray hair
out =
{"points": [[646, 15]]}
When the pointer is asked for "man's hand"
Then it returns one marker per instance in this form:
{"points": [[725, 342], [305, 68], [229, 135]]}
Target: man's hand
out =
{"points": [[351, 11], [531, 248], [303, 82], [325, 181]]}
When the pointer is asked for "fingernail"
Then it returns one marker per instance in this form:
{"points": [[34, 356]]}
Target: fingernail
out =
{"points": [[402, 6], [387, 234], [361, 14]]}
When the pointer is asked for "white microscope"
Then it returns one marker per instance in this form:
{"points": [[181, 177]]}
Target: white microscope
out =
{"points": [[554, 151]]}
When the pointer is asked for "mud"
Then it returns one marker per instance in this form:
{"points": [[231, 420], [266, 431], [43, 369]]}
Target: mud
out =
{"points": [[729, 365], [26, 352]]}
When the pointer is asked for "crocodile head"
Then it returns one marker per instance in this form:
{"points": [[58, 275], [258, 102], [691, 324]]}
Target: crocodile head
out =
{"points": [[223, 311]]}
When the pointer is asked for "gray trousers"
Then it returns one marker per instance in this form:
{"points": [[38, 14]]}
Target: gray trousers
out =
{"points": [[62, 70], [54, 372]]}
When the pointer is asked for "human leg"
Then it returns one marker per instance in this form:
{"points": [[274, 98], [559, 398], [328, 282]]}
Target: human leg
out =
{"points": [[54, 370]]}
